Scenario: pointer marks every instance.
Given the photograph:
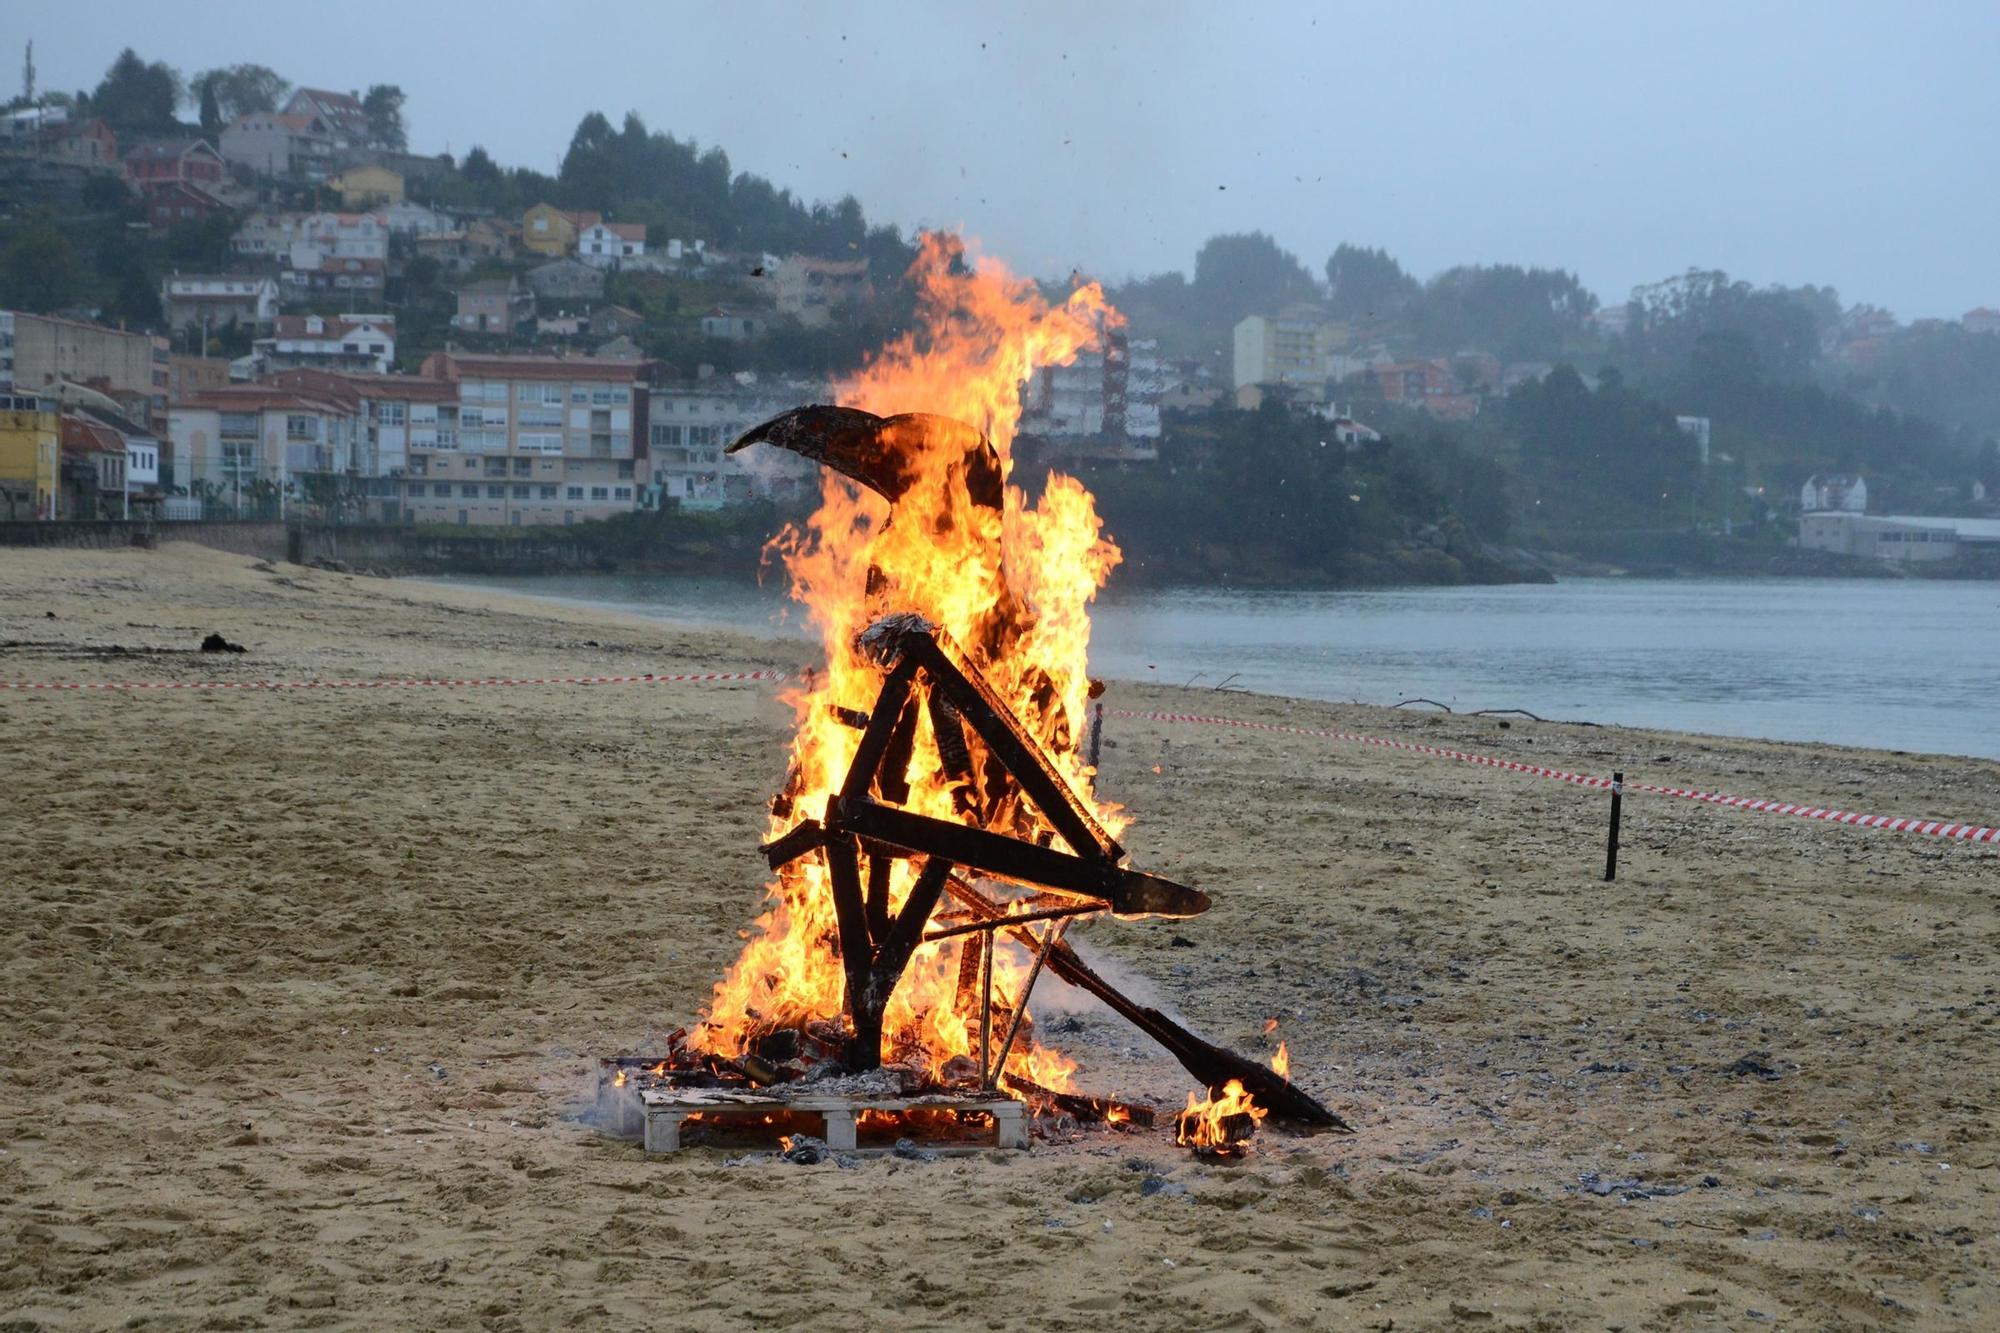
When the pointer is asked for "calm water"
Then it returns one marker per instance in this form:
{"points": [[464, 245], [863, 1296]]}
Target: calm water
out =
{"points": [[1904, 666]]}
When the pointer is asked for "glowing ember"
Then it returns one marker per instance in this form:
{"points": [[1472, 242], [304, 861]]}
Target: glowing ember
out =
{"points": [[1219, 1125], [1010, 584]]}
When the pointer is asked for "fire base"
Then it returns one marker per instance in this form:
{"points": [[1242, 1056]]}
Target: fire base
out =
{"points": [[840, 1117]]}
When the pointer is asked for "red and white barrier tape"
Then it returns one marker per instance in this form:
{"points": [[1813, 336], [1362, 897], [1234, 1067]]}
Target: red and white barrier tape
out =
{"points": [[650, 678], [1934, 828]]}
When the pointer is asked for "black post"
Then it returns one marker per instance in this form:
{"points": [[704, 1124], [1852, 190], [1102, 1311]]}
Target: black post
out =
{"points": [[1611, 848], [1096, 747]]}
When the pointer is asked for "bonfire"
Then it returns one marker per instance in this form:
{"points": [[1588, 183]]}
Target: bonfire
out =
{"points": [[938, 831]]}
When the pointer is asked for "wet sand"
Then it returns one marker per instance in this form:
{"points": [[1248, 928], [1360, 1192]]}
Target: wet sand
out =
{"points": [[302, 992]]}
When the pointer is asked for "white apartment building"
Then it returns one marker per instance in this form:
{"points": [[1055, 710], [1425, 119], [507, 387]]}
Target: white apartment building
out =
{"points": [[304, 240], [1293, 348], [1105, 402], [610, 244], [365, 343], [243, 444], [690, 424], [529, 441], [215, 300]]}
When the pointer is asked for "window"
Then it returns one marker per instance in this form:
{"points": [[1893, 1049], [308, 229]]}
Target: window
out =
{"points": [[301, 428], [239, 424], [548, 492], [702, 434], [625, 469], [622, 493], [521, 492], [600, 492], [600, 398], [496, 492], [576, 492], [389, 414], [664, 436], [442, 490], [622, 397], [522, 466], [467, 491]]}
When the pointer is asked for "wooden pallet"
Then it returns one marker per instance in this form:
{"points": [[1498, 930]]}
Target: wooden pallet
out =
{"points": [[665, 1111]]}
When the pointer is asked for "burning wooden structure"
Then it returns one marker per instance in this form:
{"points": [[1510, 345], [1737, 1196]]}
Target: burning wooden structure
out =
{"points": [[935, 838]]}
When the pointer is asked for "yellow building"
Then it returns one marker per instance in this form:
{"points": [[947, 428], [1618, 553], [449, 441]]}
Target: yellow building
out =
{"points": [[30, 456], [548, 230], [366, 186]]}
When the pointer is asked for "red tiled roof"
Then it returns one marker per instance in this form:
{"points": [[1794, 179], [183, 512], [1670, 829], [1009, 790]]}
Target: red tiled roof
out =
{"points": [[457, 365], [81, 436], [255, 398], [627, 231]]}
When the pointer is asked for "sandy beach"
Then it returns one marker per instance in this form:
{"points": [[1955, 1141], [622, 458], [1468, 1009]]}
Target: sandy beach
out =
{"points": [[302, 994]]}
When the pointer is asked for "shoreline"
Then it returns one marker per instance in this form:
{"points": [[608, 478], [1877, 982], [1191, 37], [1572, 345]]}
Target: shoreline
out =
{"points": [[305, 988], [1117, 600]]}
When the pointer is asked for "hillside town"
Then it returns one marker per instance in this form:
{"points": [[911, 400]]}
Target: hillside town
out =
{"points": [[328, 325]]}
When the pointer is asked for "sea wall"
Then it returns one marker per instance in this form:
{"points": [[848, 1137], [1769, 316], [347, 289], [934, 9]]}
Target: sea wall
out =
{"points": [[381, 548]]}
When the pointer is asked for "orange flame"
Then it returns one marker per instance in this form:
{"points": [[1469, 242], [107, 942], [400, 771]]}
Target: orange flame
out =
{"points": [[981, 334], [1281, 1063], [1219, 1124]]}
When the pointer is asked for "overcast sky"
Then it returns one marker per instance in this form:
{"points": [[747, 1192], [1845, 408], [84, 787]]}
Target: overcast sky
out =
{"points": [[1832, 142]]}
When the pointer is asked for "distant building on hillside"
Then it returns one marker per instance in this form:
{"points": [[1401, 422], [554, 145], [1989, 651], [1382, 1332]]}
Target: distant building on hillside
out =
{"points": [[1983, 320], [496, 305], [548, 230], [329, 342], [731, 325], [611, 244], [30, 456], [1696, 429], [367, 186], [217, 300], [810, 290], [1899, 537], [1104, 404], [40, 353], [566, 280], [1291, 349], [537, 440], [691, 422], [1833, 492]]}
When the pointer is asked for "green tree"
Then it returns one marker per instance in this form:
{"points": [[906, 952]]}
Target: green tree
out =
{"points": [[211, 110], [479, 168], [1519, 314], [383, 104], [237, 90], [136, 96], [38, 269], [1248, 274], [1365, 283]]}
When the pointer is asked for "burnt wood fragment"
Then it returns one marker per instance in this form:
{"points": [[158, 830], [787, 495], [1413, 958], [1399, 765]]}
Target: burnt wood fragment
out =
{"points": [[893, 779], [1126, 891], [1213, 1066], [856, 953], [1086, 1108], [1008, 742], [880, 869], [805, 836], [881, 728]]}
